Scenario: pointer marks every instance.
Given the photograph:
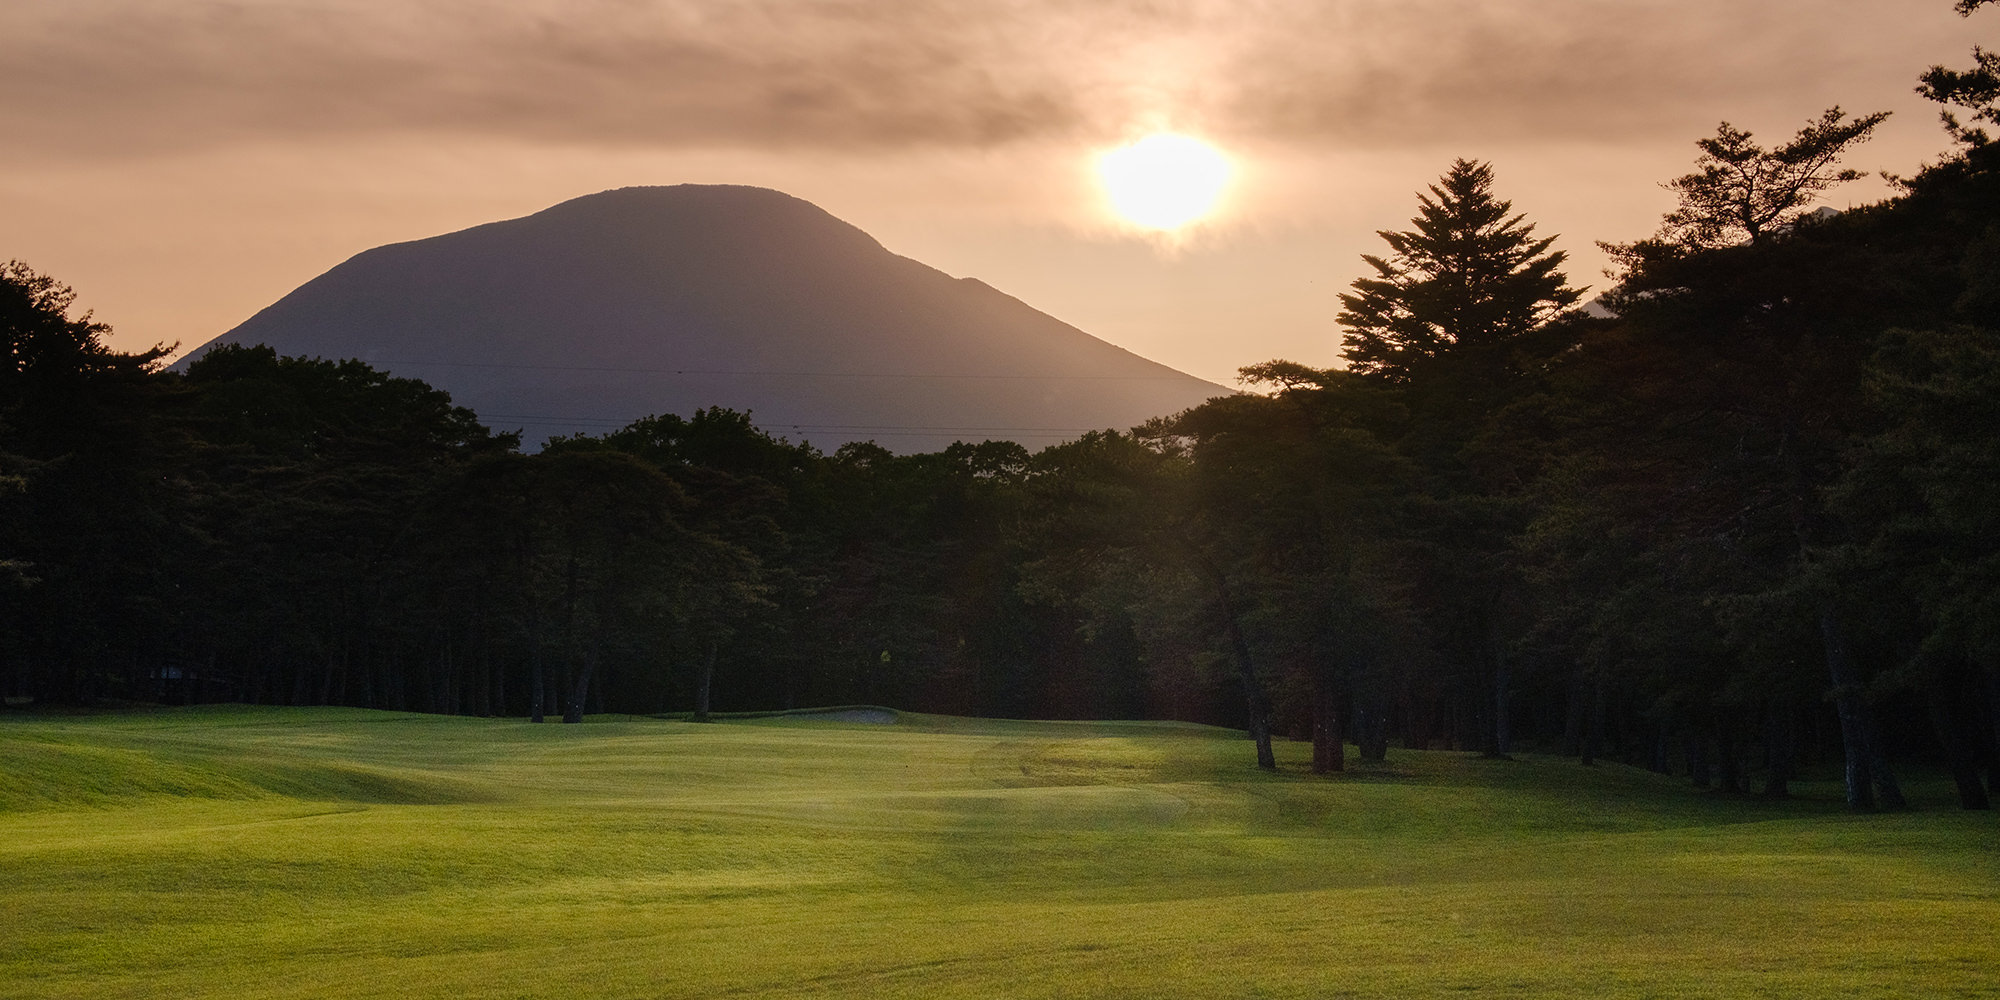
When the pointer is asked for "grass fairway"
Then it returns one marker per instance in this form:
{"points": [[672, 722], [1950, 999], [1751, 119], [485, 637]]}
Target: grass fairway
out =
{"points": [[335, 853]]}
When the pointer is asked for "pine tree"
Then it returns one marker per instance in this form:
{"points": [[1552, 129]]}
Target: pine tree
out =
{"points": [[1743, 193], [1976, 90], [1467, 282]]}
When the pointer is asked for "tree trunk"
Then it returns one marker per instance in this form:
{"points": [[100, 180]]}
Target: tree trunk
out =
{"points": [[1503, 736], [340, 678], [1329, 753], [1573, 715], [537, 686], [1697, 755], [1729, 769], [496, 695], [1371, 725], [573, 712], [1846, 701], [704, 684], [1253, 689], [368, 699], [326, 679], [1992, 672], [1417, 713], [1253, 697], [1246, 669], [1866, 768], [1662, 761], [207, 678], [1593, 736], [1954, 735], [1887, 789], [1779, 743]]}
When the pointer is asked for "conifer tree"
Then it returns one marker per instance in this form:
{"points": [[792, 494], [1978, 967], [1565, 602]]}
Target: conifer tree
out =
{"points": [[1467, 281]]}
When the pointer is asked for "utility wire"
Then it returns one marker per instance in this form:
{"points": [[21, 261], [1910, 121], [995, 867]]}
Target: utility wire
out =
{"points": [[883, 429], [783, 374]]}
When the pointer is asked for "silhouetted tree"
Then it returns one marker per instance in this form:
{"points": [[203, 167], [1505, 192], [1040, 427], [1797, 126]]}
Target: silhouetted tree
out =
{"points": [[96, 488], [1927, 534], [1743, 193], [1974, 90], [1730, 385], [1461, 318], [1467, 283], [1299, 504], [1104, 554]]}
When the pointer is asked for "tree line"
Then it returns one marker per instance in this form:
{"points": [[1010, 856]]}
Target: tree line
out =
{"points": [[1734, 524]]}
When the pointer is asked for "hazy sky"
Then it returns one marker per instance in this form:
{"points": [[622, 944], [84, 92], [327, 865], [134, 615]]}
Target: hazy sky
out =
{"points": [[184, 164]]}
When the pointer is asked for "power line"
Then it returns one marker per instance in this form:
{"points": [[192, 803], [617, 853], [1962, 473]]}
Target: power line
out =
{"points": [[904, 430], [791, 374]]}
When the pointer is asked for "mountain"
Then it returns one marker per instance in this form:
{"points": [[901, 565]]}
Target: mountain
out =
{"points": [[645, 300]]}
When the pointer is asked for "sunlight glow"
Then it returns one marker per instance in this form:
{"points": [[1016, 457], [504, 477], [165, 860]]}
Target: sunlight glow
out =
{"points": [[1164, 181]]}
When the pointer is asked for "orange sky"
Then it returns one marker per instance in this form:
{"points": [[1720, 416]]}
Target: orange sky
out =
{"points": [[184, 164]]}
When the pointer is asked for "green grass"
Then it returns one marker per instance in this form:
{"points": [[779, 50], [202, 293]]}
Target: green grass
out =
{"points": [[236, 852]]}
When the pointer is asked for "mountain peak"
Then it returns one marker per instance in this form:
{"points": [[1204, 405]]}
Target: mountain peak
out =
{"points": [[732, 212]]}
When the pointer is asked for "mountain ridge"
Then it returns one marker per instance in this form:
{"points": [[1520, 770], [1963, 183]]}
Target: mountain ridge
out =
{"points": [[640, 300]]}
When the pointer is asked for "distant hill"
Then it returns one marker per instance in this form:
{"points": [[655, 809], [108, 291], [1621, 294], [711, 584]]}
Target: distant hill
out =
{"points": [[645, 300]]}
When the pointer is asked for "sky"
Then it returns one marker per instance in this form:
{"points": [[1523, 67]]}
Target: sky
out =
{"points": [[184, 164]]}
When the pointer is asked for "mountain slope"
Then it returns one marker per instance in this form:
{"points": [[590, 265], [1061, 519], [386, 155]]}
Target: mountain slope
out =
{"points": [[614, 306]]}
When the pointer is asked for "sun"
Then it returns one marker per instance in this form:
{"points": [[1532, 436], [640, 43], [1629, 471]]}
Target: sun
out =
{"points": [[1165, 180]]}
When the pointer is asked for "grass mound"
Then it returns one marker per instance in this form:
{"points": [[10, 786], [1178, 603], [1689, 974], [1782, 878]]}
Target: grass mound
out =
{"points": [[97, 762]]}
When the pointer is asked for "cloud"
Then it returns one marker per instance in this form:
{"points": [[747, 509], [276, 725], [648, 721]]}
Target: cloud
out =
{"points": [[139, 75], [1430, 70], [121, 77]]}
